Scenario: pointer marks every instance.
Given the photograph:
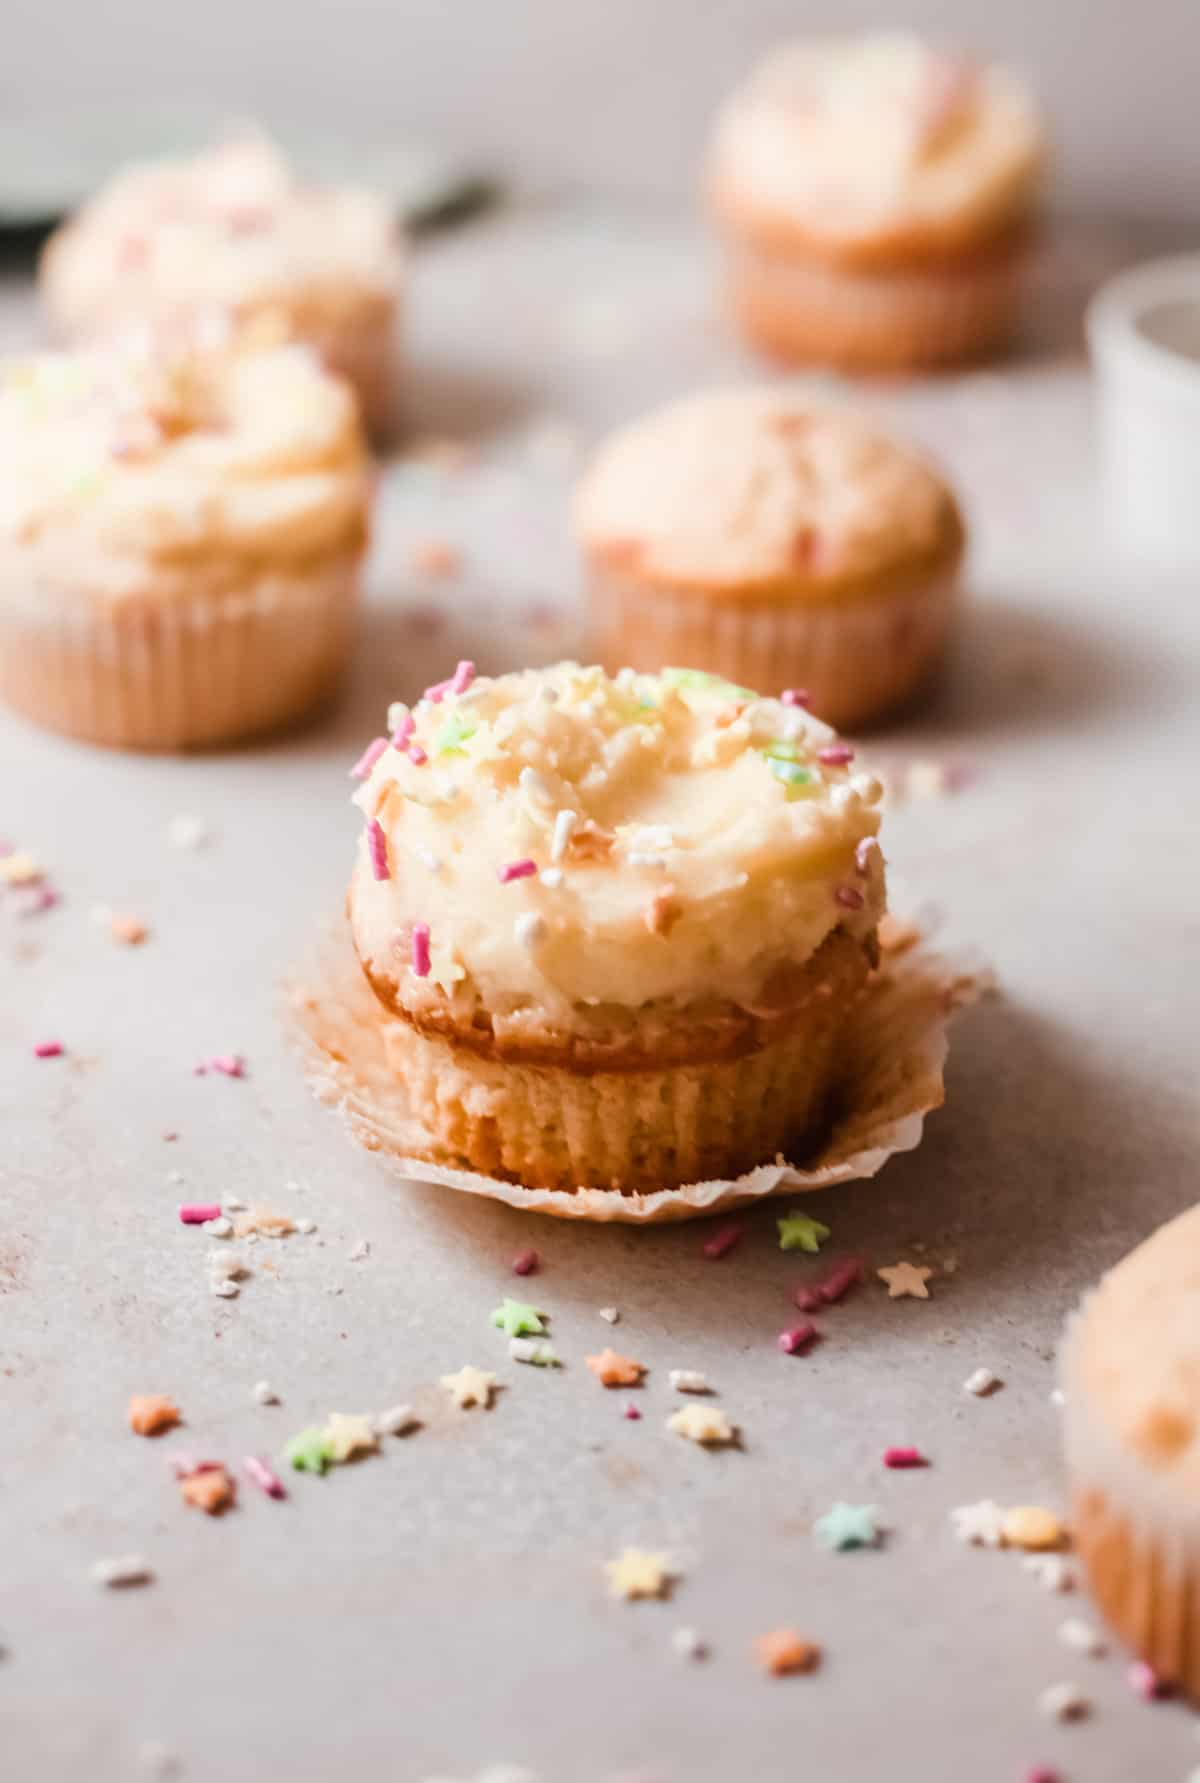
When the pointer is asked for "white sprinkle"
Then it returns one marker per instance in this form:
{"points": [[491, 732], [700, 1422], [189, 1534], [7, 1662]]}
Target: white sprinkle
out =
{"points": [[609, 1314], [395, 1421], [427, 858], [359, 1251], [1081, 1637], [689, 1380], [532, 783], [188, 832], [1063, 1702], [223, 1289], [265, 1393], [982, 1382], [1050, 1570], [1057, 1396], [687, 1644], [532, 1349], [225, 1266], [529, 929], [792, 723], [306, 1225], [646, 860], [869, 788], [981, 1524], [233, 1204], [125, 1569], [841, 798], [551, 877], [219, 1228], [564, 829], [397, 712], [174, 1176]]}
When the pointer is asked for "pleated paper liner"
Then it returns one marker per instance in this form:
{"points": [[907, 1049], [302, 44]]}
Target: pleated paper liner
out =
{"points": [[895, 1054]]}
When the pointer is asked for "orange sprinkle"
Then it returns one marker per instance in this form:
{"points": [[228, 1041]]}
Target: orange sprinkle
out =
{"points": [[435, 557], [152, 1413], [210, 1490], [663, 911], [267, 1224], [1032, 1527], [783, 1651], [612, 1370], [129, 929]]}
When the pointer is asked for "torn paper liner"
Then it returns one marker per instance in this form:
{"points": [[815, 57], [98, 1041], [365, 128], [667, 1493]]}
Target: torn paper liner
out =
{"points": [[895, 1054]]}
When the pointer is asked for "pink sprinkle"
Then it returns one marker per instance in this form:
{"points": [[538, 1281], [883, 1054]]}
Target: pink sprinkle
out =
{"points": [[849, 897], [525, 1263], [797, 1338], [1146, 1683], [226, 1064], [263, 1476], [904, 1458], [194, 1213], [378, 850], [794, 696], [632, 1412], [835, 755], [863, 853], [839, 1281], [417, 755], [722, 1241], [368, 758], [183, 1464], [49, 1049], [1042, 1773], [403, 731], [808, 1299], [420, 950], [38, 898], [462, 678], [516, 870]]}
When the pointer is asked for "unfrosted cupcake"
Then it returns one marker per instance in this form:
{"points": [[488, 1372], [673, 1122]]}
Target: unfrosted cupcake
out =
{"points": [[618, 924], [234, 231], [180, 541], [752, 534], [1131, 1375], [875, 199]]}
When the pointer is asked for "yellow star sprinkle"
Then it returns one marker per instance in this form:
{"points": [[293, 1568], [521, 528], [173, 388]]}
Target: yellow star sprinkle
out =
{"points": [[1032, 1527], [706, 1424], [638, 1574], [470, 1386], [347, 1435], [906, 1280], [19, 869]]}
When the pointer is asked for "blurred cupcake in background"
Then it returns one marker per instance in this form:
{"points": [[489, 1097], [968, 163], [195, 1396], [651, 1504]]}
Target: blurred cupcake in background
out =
{"points": [[181, 534], [875, 198], [233, 230], [778, 544]]}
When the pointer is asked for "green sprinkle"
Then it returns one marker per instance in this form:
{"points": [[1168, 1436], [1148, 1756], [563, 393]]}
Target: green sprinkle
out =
{"points": [[794, 777], [310, 1451], [700, 681], [798, 1233], [534, 1350], [453, 734], [847, 1526], [516, 1319]]}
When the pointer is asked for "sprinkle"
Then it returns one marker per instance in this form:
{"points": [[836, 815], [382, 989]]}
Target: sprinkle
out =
{"points": [[435, 557], [211, 1490], [799, 1233], [416, 755], [612, 1370], [263, 1223], [835, 755], [723, 1240], [188, 833], [1081, 1637], [904, 1458], [221, 1227], [532, 783], [516, 1319], [564, 829], [688, 1644], [49, 1049], [1042, 1773], [264, 1477], [265, 1394], [529, 929], [525, 1263], [632, 1413], [470, 1386], [377, 849], [1051, 1571], [639, 1574], [308, 1450], [306, 1226], [396, 1420], [368, 758], [1032, 1527], [847, 1526], [864, 853], [533, 1349], [849, 897], [183, 1464], [981, 1525], [981, 1383], [420, 950], [551, 877], [516, 870], [1063, 1702], [609, 1314], [1145, 1682], [20, 869], [198, 1213], [462, 677], [131, 931], [122, 1570], [403, 728], [348, 1434], [688, 1380], [797, 1338], [359, 1251], [794, 696], [904, 1281], [838, 1283], [783, 1652], [224, 1289], [707, 1425]]}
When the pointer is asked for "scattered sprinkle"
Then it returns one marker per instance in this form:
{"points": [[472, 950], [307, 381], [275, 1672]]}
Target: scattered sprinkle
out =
{"points": [[612, 1370], [847, 1526], [535, 1350], [262, 1223], [783, 1651], [49, 1049], [688, 1380], [517, 1319], [396, 1420], [797, 1232], [1081, 1637], [263, 1476], [308, 1450], [526, 1263], [225, 1064], [904, 1458], [609, 1314], [306, 1226], [224, 1287], [1043, 1773], [639, 1574], [1063, 1702], [20, 869], [265, 1394], [833, 1287], [221, 1227], [348, 1434], [688, 1644], [368, 758], [130, 931], [707, 1425], [1051, 1571], [188, 833], [199, 1213], [796, 1339], [723, 1240], [359, 1251], [1145, 1682], [906, 1280], [982, 1382], [150, 1414], [470, 1386], [377, 849], [435, 557], [122, 1570], [516, 870], [402, 725], [981, 1524], [210, 1490], [632, 1413], [1032, 1527]]}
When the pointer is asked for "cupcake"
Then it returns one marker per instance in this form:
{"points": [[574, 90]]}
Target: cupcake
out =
{"points": [[754, 535], [180, 541], [874, 197], [1131, 1375], [234, 231], [617, 925]]}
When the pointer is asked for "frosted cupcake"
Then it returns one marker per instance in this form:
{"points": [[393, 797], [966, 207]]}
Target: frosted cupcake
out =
{"points": [[180, 541], [234, 231], [754, 535], [875, 197], [618, 925], [1131, 1374]]}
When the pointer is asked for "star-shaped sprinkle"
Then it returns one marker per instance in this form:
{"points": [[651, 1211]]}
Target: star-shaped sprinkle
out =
{"points": [[152, 1413], [612, 1370], [516, 1319], [981, 1524], [535, 1350], [906, 1280], [847, 1526], [211, 1490], [1081, 1637], [637, 1573], [706, 1424], [1051, 1571], [1064, 1702], [783, 1651], [349, 1434], [308, 1450], [470, 1386], [798, 1233]]}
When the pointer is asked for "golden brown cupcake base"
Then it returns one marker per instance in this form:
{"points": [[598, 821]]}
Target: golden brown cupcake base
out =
{"points": [[1147, 1586]]}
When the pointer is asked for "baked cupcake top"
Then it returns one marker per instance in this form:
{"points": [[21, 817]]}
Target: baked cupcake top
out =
{"points": [[1132, 1363], [847, 138], [740, 490], [555, 842], [140, 472], [232, 228]]}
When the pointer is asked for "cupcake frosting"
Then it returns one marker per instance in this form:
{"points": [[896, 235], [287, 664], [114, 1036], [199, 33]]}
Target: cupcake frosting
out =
{"points": [[128, 471], [550, 842], [739, 489], [850, 136]]}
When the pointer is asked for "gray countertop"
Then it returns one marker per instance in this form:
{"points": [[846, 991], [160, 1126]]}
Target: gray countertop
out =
{"points": [[443, 1607]]}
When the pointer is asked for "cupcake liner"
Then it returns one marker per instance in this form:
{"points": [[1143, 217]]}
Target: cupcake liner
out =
{"points": [[857, 658], [178, 672], [893, 1045]]}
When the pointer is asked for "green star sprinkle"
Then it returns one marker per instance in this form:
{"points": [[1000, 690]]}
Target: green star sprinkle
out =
{"points": [[798, 1233], [453, 734], [310, 1450], [516, 1319], [847, 1526], [534, 1350]]}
